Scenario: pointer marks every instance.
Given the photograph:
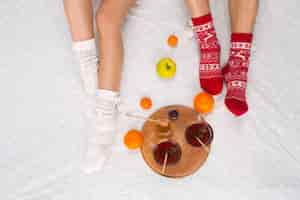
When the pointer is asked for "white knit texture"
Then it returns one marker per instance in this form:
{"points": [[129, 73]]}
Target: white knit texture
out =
{"points": [[99, 142], [87, 56]]}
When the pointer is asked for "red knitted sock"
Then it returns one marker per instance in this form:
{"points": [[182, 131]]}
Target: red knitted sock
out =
{"points": [[235, 73], [210, 73]]}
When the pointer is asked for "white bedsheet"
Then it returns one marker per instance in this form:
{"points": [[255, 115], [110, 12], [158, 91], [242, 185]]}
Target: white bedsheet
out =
{"points": [[44, 113]]}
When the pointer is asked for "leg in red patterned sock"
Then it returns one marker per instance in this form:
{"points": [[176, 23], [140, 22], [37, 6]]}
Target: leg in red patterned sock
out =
{"points": [[235, 73], [210, 73], [243, 15]]}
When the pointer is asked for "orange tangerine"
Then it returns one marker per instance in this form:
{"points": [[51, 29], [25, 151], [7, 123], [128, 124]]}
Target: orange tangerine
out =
{"points": [[173, 41], [133, 139], [146, 103], [204, 103]]}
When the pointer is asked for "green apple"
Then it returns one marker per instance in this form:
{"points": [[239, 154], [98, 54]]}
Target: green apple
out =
{"points": [[166, 68]]}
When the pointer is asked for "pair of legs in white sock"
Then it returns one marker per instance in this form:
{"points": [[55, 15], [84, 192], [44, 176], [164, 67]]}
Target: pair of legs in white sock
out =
{"points": [[98, 143]]}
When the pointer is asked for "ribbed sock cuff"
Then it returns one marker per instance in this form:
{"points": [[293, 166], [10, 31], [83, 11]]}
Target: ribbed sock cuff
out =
{"points": [[84, 45], [242, 37], [202, 19], [107, 93]]}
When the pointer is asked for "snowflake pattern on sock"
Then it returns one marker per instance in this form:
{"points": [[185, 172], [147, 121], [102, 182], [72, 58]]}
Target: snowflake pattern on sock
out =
{"points": [[210, 51], [236, 70]]}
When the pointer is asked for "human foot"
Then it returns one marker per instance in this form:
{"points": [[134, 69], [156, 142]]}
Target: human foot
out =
{"points": [[235, 73], [99, 144], [211, 78]]}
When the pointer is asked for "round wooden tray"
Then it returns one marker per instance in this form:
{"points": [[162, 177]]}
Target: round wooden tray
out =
{"points": [[192, 158]]}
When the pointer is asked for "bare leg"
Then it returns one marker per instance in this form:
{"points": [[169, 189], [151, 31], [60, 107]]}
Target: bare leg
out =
{"points": [[198, 7], [79, 14], [80, 17], [243, 14], [110, 18]]}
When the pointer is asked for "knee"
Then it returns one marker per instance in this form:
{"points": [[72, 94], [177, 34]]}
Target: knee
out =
{"points": [[107, 23]]}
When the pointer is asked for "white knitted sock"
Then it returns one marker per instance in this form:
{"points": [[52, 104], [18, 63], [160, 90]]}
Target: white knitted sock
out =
{"points": [[100, 142], [87, 56]]}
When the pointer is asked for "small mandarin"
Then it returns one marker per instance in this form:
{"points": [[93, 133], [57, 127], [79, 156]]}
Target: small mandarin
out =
{"points": [[146, 103], [204, 103], [173, 41], [133, 139]]}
